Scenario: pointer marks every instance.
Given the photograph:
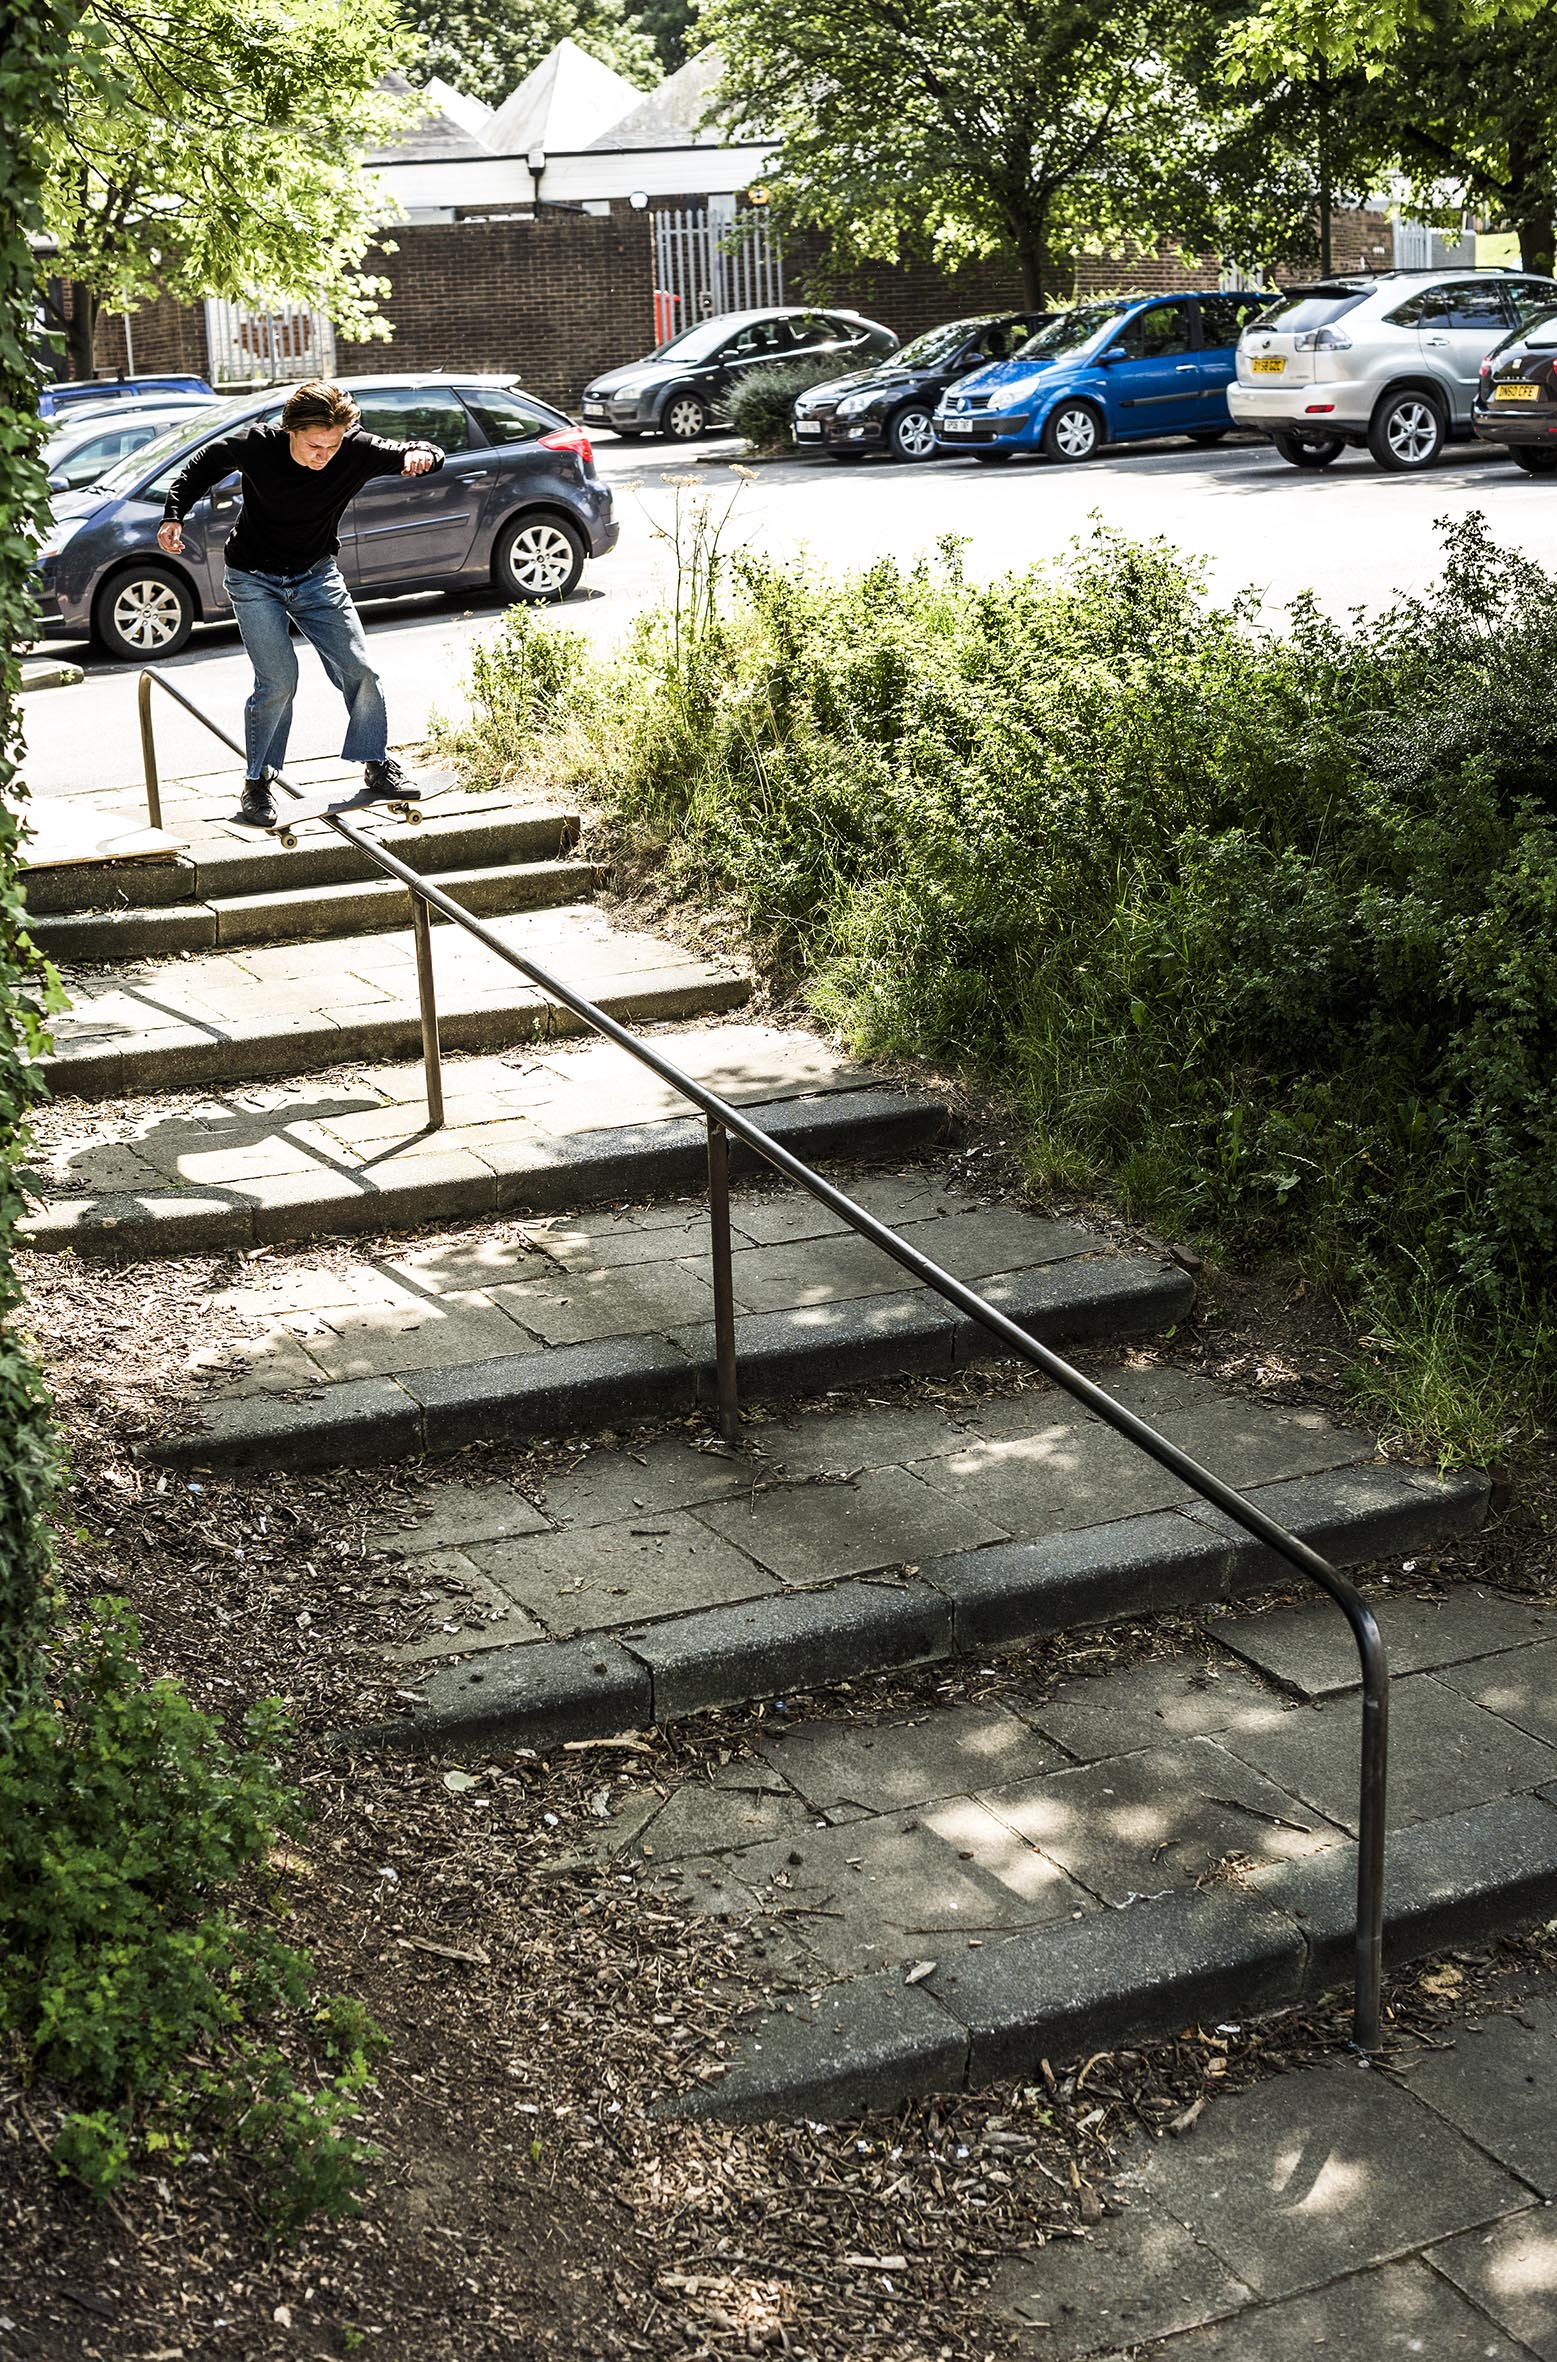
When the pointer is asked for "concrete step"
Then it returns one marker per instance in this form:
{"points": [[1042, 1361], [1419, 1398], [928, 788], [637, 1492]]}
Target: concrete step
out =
{"points": [[962, 1891], [222, 860], [565, 1326], [536, 1132], [303, 914], [278, 1009]]}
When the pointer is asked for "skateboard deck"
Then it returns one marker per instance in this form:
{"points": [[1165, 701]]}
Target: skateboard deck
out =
{"points": [[425, 786]]}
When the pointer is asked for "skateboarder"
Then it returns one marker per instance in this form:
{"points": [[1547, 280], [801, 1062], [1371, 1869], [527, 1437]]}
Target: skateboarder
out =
{"points": [[281, 570]]}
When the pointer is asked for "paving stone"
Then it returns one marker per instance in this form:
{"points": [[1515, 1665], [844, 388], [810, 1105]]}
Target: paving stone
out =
{"points": [[460, 1610], [626, 1300], [482, 1263], [1071, 1302], [595, 1576], [1354, 1515], [883, 1766], [538, 1695], [1521, 1687], [817, 1271], [1135, 1825], [907, 1887], [1118, 1976], [1511, 2272], [1247, 1441], [370, 1340], [813, 1533], [699, 1818], [1138, 2276], [372, 1419], [1398, 2313], [1330, 2162], [789, 1642], [591, 1243], [868, 2043], [1311, 1650], [455, 1514], [1494, 2082], [841, 1442], [1139, 1565], [828, 1345], [608, 1481], [274, 1363], [1141, 1705], [1068, 1471], [562, 1392], [1445, 1755], [1457, 1879]]}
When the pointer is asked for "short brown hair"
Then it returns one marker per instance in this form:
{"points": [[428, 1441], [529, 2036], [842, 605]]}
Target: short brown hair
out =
{"points": [[319, 404]]}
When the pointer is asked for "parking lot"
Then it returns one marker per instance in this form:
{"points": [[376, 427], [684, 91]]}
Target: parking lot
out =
{"points": [[1352, 535]]}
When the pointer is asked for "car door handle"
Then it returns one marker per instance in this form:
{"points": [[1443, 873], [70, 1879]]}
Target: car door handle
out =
{"points": [[1189, 369], [1440, 341], [476, 475]]}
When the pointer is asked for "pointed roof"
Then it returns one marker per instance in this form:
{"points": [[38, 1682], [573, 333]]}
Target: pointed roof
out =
{"points": [[672, 115], [472, 115], [436, 136], [566, 103]]}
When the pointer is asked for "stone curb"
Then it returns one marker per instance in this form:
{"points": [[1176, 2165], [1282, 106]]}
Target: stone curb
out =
{"points": [[251, 1052], [1121, 1977], [544, 1176], [226, 869], [568, 1389], [304, 914], [999, 1596]]}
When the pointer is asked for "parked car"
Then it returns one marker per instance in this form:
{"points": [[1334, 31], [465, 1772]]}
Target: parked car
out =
{"points": [[680, 389], [1389, 362], [891, 406], [1110, 372], [64, 394], [1516, 399], [516, 504], [79, 450]]}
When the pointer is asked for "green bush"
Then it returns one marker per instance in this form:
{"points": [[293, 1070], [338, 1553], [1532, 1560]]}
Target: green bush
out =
{"points": [[1258, 928], [763, 404]]}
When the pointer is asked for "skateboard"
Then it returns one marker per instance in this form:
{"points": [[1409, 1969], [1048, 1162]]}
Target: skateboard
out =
{"points": [[405, 807]]}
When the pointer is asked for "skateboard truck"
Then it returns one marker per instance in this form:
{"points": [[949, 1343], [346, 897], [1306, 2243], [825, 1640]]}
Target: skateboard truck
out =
{"points": [[407, 808]]}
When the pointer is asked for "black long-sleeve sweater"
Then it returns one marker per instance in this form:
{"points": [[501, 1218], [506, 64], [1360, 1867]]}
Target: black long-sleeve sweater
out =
{"points": [[290, 514]]}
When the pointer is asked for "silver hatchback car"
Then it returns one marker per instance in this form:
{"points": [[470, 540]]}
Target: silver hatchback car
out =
{"points": [[1389, 362]]}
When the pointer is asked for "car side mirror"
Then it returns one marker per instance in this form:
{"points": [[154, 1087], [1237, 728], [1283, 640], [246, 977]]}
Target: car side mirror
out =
{"points": [[59, 483], [1115, 352]]}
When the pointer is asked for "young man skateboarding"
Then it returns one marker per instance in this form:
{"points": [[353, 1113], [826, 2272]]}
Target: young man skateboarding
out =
{"points": [[281, 570]]}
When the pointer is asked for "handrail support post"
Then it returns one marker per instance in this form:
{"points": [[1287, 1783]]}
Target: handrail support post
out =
{"points": [[149, 754], [432, 1052], [724, 1281]]}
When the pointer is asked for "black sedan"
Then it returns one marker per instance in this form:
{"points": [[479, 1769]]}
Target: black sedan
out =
{"points": [[1516, 399], [891, 407], [516, 506], [680, 389]]}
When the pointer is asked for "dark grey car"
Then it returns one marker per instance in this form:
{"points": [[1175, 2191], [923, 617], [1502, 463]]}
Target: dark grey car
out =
{"points": [[516, 506], [678, 390]]}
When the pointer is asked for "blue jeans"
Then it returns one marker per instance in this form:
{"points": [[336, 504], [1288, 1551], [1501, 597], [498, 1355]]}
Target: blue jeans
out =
{"points": [[318, 602]]}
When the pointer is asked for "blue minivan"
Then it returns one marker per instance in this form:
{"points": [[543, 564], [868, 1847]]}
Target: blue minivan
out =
{"points": [[1110, 372]]}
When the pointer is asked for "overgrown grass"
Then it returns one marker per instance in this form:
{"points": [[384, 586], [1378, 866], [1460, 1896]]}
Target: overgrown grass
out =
{"points": [[1257, 929]]}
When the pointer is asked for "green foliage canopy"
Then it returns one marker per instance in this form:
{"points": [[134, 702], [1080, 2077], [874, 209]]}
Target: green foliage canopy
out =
{"points": [[213, 147], [486, 47]]}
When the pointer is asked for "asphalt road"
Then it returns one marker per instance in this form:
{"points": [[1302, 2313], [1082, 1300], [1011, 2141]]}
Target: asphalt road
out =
{"points": [[1355, 537]]}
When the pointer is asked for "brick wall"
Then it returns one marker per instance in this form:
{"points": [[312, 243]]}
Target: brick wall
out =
{"points": [[553, 300], [167, 336], [1358, 241]]}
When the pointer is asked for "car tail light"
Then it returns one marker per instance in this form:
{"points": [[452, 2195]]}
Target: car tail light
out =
{"points": [[1322, 340], [572, 438]]}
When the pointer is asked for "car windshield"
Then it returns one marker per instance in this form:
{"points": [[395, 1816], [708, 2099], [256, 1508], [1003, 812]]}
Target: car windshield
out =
{"points": [[214, 419], [939, 344], [1070, 332], [1314, 311], [698, 343]]}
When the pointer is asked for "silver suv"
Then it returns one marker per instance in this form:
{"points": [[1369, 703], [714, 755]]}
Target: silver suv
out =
{"points": [[1390, 360]]}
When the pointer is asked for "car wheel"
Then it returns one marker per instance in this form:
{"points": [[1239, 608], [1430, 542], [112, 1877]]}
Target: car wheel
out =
{"points": [[1307, 450], [144, 613], [686, 417], [1207, 435], [1074, 431], [538, 559], [1534, 463], [1407, 433], [911, 434]]}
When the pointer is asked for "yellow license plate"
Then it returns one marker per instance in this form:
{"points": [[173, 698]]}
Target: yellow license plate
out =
{"points": [[1516, 393], [1267, 365]]}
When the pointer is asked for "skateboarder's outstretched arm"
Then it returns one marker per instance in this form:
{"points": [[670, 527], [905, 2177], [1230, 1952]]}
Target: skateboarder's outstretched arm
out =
{"points": [[387, 458]]}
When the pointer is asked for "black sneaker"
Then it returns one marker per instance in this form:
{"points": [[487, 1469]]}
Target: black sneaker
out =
{"points": [[258, 806], [386, 782]]}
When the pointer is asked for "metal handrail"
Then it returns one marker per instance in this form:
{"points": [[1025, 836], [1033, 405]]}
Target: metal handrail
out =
{"points": [[723, 1120]]}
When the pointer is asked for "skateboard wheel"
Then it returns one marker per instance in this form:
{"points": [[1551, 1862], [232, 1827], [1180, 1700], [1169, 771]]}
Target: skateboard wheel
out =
{"points": [[413, 816], [289, 841]]}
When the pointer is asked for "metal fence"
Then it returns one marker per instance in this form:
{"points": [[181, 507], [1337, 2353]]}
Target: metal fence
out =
{"points": [[705, 264], [251, 347]]}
